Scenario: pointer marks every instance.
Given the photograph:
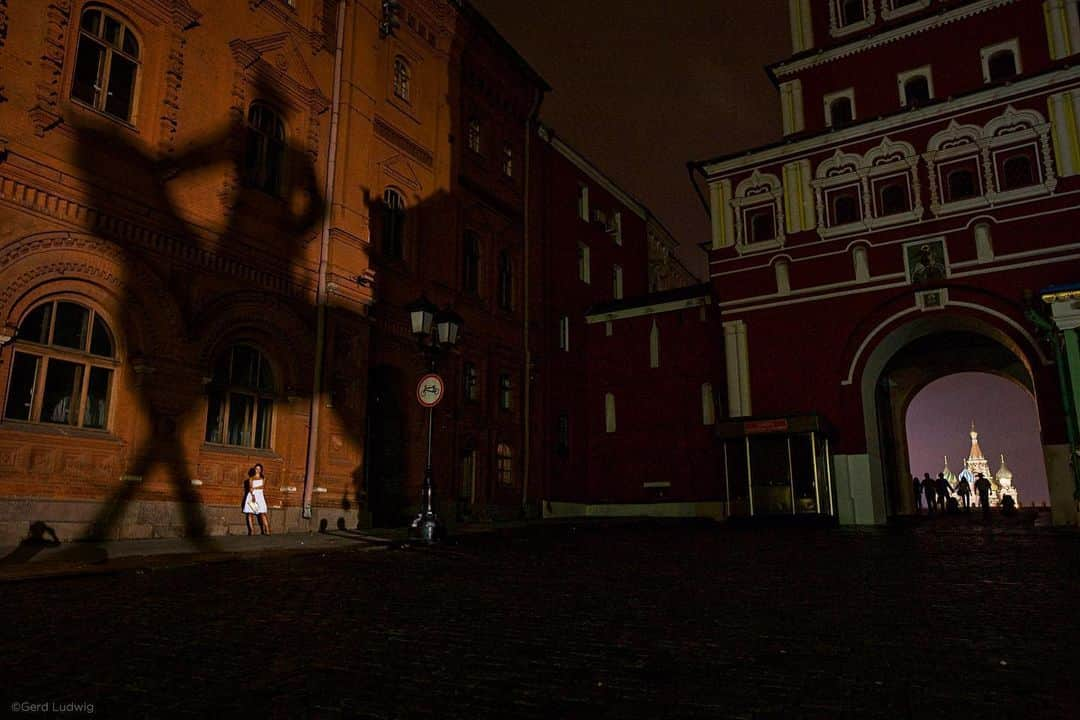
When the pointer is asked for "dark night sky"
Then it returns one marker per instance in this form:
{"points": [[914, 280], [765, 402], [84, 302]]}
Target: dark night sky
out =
{"points": [[641, 87]]}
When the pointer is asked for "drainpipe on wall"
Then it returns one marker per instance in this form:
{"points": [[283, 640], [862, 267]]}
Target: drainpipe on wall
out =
{"points": [[324, 252], [527, 402]]}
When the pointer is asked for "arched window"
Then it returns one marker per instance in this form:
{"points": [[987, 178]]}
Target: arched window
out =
{"points": [[506, 281], [264, 151], [762, 224], [504, 464], [106, 64], [393, 224], [916, 91], [402, 78], [852, 11], [845, 209], [894, 199], [1001, 65], [961, 184], [240, 405], [840, 112], [63, 367], [472, 137], [1017, 173]]}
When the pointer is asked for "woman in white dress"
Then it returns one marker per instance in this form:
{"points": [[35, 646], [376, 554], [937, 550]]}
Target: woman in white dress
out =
{"points": [[255, 501]]}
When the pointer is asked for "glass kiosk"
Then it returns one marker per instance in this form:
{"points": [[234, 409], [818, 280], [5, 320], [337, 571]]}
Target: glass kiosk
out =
{"points": [[777, 467]]}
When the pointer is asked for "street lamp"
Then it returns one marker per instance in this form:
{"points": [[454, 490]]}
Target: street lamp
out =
{"points": [[435, 330]]}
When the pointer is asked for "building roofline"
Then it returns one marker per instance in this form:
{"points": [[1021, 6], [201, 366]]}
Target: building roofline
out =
{"points": [[470, 11], [549, 135], [806, 141], [650, 304]]}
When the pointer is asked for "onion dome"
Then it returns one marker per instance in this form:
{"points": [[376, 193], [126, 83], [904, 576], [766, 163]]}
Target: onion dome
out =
{"points": [[1004, 476]]}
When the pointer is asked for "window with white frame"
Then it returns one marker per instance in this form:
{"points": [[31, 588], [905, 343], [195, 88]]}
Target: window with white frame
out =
{"points": [[616, 281], [583, 202], [916, 87], [892, 175], [840, 108], [708, 405], [895, 8], [1001, 62], [616, 227], [839, 188], [955, 158], [106, 64], [848, 16], [62, 368], [1018, 144], [759, 219], [609, 412], [564, 333], [583, 263]]}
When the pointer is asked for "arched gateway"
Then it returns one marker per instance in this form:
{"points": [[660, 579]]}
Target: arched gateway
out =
{"points": [[900, 362]]}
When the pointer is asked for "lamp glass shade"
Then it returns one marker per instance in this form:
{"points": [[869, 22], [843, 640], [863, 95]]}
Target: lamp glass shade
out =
{"points": [[421, 316], [447, 327]]}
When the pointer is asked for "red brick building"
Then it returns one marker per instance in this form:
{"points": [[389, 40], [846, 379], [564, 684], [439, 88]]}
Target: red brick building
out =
{"points": [[924, 187]]}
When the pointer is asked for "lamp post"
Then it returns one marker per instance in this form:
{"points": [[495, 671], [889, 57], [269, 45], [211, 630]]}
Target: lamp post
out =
{"points": [[435, 330]]}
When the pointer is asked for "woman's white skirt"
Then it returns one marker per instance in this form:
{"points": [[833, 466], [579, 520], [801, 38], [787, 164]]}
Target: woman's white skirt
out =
{"points": [[255, 503]]}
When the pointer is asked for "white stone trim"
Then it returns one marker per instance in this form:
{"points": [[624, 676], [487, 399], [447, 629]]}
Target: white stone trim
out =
{"points": [[838, 30], [889, 36], [791, 107], [910, 120], [987, 52], [888, 12], [737, 363], [581, 163], [926, 71], [646, 310], [758, 189], [827, 100]]}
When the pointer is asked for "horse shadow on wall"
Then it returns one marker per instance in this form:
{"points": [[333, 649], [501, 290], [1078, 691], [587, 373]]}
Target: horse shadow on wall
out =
{"points": [[256, 269]]}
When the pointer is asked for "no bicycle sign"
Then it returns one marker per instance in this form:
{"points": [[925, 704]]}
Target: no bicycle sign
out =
{"points": [[429, 390]]}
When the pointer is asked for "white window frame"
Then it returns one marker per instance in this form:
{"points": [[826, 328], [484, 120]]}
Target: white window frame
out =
{"points": [[564, 333], [888, 12], [583, 202], [835, 14], [617, 284], [849, 93], [989, 51], [926, 71], [584, 263]]}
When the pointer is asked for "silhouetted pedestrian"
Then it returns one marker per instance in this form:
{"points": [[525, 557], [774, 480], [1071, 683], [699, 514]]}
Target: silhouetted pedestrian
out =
{"points": [[963, 489], [982, 486], [942, 487], [930, 490], [916, 487]]}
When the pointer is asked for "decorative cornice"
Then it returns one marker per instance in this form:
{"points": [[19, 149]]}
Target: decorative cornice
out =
{"points": [[395, 137], [783, 69], [891, 124]]}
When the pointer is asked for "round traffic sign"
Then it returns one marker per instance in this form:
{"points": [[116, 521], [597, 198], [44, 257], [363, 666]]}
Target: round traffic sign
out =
{"points": [[429, 390]]}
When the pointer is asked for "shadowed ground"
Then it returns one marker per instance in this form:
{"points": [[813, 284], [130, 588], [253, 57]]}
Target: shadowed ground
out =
{"points": [[645, 620]]}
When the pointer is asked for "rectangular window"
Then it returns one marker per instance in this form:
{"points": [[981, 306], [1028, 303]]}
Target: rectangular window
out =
{"points": [[20, 400], [609, 413], [617, 282], [472, 382], [583, 202], [583, 263], [760, 223], [844, 205], [96, 411], [564, 333], [63, 387], [241, 408], [505, 392], [708, 405], [616, 227]]}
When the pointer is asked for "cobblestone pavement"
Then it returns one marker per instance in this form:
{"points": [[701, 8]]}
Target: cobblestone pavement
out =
{"points": [[645, 620]]}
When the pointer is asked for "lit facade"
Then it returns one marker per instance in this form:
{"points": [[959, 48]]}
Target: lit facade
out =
{"points": [[922, 191]]}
